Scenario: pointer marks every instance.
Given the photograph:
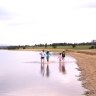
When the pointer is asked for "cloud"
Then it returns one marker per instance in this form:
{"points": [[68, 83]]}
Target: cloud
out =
{"points": [[92, 5], [88, 4], [35, 21], [4, 14]]}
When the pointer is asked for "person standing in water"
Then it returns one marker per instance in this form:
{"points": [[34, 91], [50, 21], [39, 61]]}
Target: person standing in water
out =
{"points": [[42, 56], [47, 56], [61, 62], [63, 55], [60, 57]]}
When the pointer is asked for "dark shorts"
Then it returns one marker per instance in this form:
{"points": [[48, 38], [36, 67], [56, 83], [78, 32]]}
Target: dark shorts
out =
{"points": [[42, 57]]}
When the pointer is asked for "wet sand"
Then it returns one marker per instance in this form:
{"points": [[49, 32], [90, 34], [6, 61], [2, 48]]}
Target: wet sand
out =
{"points": [[87, 64]]}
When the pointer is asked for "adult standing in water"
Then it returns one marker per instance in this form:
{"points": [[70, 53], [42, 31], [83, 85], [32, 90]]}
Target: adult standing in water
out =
{"points": [[42, 56]]}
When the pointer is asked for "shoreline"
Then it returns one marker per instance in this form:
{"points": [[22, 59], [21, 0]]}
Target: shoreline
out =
{"points": [[87, 66]]}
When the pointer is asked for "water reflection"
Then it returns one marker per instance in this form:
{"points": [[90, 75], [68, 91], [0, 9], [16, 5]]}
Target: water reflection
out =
{"points": [[45, 70], [42, 69], [62, 67], [21, 74]]}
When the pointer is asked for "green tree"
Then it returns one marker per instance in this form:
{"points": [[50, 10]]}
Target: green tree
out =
{"points": [[73, 45], [54, 46], [46, 45]]}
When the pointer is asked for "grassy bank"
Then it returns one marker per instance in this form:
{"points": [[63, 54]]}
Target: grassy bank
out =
{"points": [[79, 49]]}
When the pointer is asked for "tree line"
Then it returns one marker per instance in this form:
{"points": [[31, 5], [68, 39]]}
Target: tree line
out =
{"points": [[53, 45]]}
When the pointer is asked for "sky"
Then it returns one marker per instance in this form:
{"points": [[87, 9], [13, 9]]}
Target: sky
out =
{"points": [[29, 22]]}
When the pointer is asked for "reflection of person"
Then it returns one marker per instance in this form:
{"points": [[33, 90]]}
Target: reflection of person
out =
{"points": [[47, 71], [42, 56], [62, 67], [42, 69], [47, 56]]}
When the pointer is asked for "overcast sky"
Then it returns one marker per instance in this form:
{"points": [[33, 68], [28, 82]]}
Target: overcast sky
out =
{"points": [[47, 21]]}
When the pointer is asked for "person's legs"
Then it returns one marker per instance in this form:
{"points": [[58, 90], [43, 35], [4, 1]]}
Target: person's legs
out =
{"points": [[62, 59], [47, 60], [42, 60]]}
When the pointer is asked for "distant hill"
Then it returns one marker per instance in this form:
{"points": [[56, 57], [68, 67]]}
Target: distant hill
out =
{"points": [[3, 46]]}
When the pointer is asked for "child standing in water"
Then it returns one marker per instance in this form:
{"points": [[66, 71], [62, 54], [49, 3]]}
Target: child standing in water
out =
{"points": [[42, 56], [47, 56], [61, 62], [63, 55], [60, 57]]}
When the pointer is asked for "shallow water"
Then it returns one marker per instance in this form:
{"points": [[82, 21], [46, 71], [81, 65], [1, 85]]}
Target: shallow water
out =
{"points": [[22, 74]]}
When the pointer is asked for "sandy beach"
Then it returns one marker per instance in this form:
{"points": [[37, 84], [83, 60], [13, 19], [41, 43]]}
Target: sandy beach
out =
{"points": [[87, 65]]}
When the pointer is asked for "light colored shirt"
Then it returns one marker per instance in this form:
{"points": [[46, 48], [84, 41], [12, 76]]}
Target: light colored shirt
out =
{"points": [[42, 54]]}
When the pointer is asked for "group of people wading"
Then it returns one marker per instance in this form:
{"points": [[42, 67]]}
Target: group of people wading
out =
{"points": [[46, 55]]}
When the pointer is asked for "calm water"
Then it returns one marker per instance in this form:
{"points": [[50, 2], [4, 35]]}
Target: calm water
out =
{"points": [[21, 74]]}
